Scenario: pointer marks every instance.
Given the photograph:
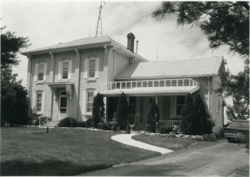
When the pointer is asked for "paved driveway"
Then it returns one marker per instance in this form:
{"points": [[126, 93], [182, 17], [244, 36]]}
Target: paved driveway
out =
{"points": [[202, 159]]}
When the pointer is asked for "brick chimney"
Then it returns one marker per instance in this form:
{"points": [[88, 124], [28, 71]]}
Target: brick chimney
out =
{"points": [[131, 39]]}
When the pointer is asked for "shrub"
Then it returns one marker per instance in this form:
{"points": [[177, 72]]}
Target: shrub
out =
{"points": [[106, 126], [187, 115], [153, 116], [122, 112], [98, 110], [89, 122], [165, 129], [35, 122], [68, 122], [81, 124]]}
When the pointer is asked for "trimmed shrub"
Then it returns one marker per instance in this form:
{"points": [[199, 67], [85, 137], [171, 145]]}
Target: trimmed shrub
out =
{"points": [[68, 122], [122, 112], [187, 116], [81, 124], [166, 129], [89, 122], [153, 116], [98, 110]]}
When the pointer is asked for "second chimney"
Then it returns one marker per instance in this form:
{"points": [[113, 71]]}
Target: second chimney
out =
{"points": [[131, 39]]}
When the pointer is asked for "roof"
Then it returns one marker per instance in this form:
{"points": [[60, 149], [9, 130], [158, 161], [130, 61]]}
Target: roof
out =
{"points": [[171, 69], [81, 43]]}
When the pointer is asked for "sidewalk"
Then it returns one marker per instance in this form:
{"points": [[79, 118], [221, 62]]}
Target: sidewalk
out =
{"points": [[127, 139]]}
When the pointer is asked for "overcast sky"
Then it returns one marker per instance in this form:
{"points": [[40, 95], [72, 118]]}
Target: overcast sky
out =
{"points": [[48, 23]]}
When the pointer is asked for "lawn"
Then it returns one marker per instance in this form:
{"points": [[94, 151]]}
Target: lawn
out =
{"points": [[169, 143], [31, 151]]}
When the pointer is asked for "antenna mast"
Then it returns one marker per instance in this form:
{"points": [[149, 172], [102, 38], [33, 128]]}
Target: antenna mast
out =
{"points": [[99, 22]]}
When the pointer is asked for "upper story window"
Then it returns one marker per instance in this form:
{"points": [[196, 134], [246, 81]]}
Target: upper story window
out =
{"points": [[64, 70], [180, 101], [40, 71], [92, 68]]}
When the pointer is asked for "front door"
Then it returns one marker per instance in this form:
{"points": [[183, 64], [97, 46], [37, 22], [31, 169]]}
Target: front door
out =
{"points": [[63, 104]]}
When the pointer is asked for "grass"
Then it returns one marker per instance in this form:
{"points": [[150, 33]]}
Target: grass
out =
{"points": [[31, 151], [169, 143], [241, 172]]}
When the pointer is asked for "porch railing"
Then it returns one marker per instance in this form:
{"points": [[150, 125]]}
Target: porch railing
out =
{"points": [[163, 83], [170, 122]]}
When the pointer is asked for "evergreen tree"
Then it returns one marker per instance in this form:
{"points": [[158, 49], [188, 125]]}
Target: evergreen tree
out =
{"points": [[153, 116], [98, 109], [122, 112], [203, 122], [187, 116]]}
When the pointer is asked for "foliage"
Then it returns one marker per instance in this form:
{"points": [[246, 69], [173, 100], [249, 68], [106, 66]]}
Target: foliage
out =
{"points": [[98, 110], [68, 122], [187, 115], [236, 86], [81, 124], [13, 99], [222, 22], [153, 116], [89, 122], [195, 119], [13, 94], [165, 129], [10, 46], [122, 112], [106, 126]]}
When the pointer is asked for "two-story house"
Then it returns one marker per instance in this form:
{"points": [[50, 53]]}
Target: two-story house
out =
{"points": [[63, 80]]}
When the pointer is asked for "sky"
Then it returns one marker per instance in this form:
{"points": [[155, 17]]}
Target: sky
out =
{"points": [[48, 23]]}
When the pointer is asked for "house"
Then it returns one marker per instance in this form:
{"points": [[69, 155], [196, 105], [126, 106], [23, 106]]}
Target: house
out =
{"points": [[64, 78]]}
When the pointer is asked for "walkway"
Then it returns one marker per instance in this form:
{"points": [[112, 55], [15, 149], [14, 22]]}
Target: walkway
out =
{"points": [[126, 139]]}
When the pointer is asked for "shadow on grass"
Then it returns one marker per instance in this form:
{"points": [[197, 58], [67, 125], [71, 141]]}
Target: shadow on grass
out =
{"points": [[46, 168]]}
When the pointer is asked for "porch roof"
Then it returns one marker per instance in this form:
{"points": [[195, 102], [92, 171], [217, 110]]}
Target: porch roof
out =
{"points": [[58, 84], [154, 91]]}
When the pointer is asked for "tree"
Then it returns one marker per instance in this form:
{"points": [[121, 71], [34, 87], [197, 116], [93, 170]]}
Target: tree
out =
{"points": [[122, 112], [11, 45], [187, 115], [13, 99], [98, 109], [153, 116], [224, 23], [13, 94], [202, 122]]}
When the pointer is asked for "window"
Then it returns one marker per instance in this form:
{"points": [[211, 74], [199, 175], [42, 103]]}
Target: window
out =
{"points": [[179, 103], [63, 102], [40, 71], [218, 105], [65, 70], [132, 102], [92, 68], [38, 102], [90, 98]]}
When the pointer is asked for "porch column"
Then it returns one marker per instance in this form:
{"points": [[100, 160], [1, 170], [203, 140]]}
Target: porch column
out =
{"points": [[106, 112], [77, 84], [51, 74]]}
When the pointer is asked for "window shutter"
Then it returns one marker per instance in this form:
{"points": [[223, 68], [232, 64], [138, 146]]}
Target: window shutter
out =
{"points": [[43, 102], [36, 71], [84, 102], [97, 67], [45, 71], [70, 69], [60, 70], [34, 102], [85, 73]]}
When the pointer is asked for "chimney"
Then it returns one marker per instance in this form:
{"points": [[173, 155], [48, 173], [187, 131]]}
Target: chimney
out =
{"points": [[137, 46], [131, 39]]}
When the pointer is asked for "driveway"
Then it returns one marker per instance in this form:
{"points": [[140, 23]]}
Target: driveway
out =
{"points": [[217, 158]]}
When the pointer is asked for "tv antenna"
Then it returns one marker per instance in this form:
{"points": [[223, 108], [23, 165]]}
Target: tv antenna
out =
{"points": [[99, 21]]}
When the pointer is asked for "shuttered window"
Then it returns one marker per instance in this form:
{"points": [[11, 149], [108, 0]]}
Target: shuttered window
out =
{"points": [[40, 71], [90, 99], [39, 102], [92, 68], [65, 70]]}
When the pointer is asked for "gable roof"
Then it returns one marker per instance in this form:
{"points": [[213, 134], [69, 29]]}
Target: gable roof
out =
{"points": [[171, 69], [81, 43]]}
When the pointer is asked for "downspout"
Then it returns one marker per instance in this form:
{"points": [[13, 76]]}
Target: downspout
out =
{"points": [[30, 84]]}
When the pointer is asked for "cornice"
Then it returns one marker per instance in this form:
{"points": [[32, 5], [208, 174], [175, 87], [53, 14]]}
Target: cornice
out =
{"points": [[92, 50], [65, 53], [42, 56]]}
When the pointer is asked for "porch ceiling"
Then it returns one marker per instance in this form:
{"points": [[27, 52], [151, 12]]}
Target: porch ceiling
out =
{"points": [[154, 91]]}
